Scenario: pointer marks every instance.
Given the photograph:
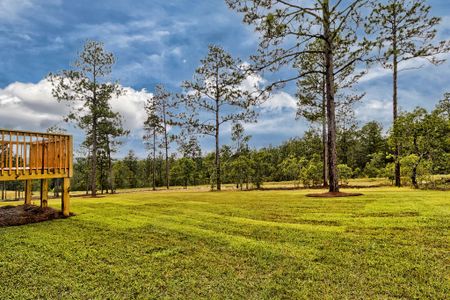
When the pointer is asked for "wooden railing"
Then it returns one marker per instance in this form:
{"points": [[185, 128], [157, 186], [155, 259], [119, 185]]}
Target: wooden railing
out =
{"points": [[32, 155]]}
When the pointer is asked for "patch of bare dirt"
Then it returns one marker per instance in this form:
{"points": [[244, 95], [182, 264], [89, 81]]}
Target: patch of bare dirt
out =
{"points": [[333, 195], [26, 214]]}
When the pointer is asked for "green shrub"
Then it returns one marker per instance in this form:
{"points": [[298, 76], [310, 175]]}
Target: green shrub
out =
{"points": [[312, 174], [345, 173], [376, 166]]}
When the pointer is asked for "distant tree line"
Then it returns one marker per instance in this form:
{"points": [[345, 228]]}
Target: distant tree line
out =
{"points": [[425, 152]]}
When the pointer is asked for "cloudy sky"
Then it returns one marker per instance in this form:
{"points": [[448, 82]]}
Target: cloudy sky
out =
{"points": [[161, 41]]}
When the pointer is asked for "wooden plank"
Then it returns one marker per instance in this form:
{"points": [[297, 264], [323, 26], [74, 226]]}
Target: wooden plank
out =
{"points": [[10, 153], [65, 201], [24, 145], [64, 146], [44, 193], [70, 156], [46, 159], [60, 153], [17, 154], [55, 156], [66, 155], [2, 155], [37, 153], [28, 190], [32, 155], [22, 154]]}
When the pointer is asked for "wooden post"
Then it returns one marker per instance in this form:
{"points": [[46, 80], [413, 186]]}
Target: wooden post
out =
{"points": [[65, 197], [28, 187], [44, 193]]}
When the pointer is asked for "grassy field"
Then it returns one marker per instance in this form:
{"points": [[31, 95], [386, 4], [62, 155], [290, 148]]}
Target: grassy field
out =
{"points": [[389, 243]]}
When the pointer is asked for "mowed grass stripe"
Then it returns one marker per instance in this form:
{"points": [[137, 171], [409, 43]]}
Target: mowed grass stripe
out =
{"points": [[253, 245]]}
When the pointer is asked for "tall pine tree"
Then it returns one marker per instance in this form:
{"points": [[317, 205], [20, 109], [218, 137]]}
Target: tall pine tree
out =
{"points": [[404, 30], [164, 106], [288, 28], [216, 96], [88, 91]]}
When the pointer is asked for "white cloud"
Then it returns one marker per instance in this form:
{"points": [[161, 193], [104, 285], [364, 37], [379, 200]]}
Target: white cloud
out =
{"points": [[285, 125], [375, 73], [277, 116], [373, 109], [252, 83], [280, 101], [123, 35], [131, 107], [11, 9], [31, 106]]}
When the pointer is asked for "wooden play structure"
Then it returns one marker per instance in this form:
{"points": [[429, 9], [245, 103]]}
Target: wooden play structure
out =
{"points": [[27, 156]]}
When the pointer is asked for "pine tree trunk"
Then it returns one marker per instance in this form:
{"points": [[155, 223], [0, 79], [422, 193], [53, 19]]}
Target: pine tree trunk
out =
{"points": [[414, 169], [397, 176], [395, 116], [167, 168], [194, 181], [166, 146], [218, 181], [414, 177], [160, 171], [111, 179], [102, 178], [324, 136], [344, 146], [87, 179], [331, 116], [154, 160], [94, 140], [94, 161]]}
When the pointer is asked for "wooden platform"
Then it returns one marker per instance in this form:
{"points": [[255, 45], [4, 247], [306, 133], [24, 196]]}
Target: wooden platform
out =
{"points": [[27, 156]]}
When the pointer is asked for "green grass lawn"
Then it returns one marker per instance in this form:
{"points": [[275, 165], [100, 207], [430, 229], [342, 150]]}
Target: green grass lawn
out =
{"points": [[389, 243]]}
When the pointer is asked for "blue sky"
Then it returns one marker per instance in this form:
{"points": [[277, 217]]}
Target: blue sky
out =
{"points": [[162, 42]]}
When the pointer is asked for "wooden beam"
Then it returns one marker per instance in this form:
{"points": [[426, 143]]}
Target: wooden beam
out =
{"points": [[28, 132], [65, 201], [31, 175], [44, 193], [28, 190]]}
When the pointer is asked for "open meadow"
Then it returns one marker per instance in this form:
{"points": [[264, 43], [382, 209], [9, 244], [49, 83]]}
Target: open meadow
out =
{"points": [[388, 243]]}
